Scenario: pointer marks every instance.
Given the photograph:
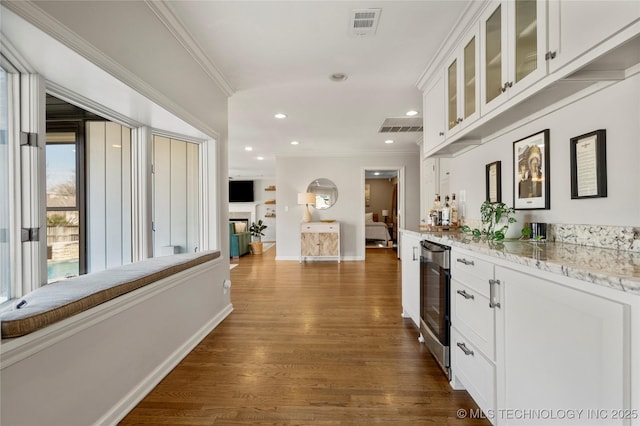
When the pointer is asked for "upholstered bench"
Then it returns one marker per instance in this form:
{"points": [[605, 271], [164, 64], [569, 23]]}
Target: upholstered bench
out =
{"points": [[57, 301]]}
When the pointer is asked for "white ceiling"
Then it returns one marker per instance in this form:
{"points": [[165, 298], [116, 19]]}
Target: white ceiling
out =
{"points": [[274, 56], [278, 56]]}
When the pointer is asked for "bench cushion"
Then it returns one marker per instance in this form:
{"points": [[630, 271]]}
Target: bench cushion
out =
{"points": [[57, 301]]}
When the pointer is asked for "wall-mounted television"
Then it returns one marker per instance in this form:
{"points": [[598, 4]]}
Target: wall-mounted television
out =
{"points": [[241, 191]]}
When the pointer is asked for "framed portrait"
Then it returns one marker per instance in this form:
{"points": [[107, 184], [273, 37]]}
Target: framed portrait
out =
{"points": [[493, 180], [531, 172], [588, 154]]}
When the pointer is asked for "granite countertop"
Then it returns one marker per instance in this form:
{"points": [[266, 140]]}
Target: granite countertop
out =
{"points": [[617, 269]]}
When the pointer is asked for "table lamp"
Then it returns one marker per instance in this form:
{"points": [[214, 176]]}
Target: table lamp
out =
{"points": [[306, 198], [385, 214]]}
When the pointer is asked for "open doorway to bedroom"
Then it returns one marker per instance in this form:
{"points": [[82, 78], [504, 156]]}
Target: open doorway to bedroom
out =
{"points": [[382, 207]]}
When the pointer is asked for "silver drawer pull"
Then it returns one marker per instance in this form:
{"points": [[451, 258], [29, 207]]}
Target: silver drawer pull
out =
{"points": [[493, 299], [464, 349], [465, 261], [465, 294]]}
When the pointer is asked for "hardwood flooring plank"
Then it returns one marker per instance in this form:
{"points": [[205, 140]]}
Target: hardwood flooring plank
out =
{"points": [[317, 343]]}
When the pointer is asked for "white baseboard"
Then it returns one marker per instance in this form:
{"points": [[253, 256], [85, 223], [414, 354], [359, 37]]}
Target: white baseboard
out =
{"points": [[311, 259], [129, 401]]}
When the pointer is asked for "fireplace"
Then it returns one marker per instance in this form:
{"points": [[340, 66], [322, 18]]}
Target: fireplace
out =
{"points": [[243, 212]]}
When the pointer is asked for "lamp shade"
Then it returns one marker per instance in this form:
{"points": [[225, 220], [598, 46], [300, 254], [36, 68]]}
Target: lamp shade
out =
{"points": [[306, 198], [385, 212]]}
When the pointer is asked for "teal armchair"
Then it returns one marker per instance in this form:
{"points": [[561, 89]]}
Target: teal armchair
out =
{"points": [[238, 242]]}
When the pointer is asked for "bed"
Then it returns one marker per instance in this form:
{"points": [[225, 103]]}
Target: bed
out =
{"points": [[376, 231]]}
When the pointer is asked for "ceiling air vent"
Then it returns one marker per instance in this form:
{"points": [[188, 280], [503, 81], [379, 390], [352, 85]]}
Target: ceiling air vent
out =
{"points": [[401, 124], [364, 22]]}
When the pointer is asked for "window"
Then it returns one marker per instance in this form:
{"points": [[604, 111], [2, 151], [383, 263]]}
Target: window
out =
{"points": [[5, 239], [10, 194], [176, 196], [64, 248]]}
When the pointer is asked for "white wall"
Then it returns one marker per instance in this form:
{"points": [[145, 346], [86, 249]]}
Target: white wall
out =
{"points": [[616, 109], [294, 174], [108, 195]]}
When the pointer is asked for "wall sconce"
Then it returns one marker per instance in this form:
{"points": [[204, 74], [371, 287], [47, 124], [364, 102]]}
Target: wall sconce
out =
{"points": [[306, 198]]}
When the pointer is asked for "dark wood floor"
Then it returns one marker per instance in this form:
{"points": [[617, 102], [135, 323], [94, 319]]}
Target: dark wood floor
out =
{"points": [[314, 343]]}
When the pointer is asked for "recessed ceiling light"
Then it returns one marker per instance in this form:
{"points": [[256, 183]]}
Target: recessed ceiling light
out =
{"points": [[388, 141], [248, 148], [338, 76], [260, 158], [280, 115], [377, 174], [412, 113], [116, 146], [295, 142]]}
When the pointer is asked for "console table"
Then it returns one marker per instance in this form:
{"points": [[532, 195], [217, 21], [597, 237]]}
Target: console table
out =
{"points": [[320, 240]]}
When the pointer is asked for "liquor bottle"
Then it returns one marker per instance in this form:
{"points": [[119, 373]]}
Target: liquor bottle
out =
{"points": [[454, 210], [437, 210], [446, 211]]}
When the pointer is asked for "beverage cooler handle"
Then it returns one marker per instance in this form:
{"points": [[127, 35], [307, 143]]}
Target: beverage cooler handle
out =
{"points": [[492, 294]]}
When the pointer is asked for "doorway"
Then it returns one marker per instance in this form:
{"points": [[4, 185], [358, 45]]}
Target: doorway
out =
{"points": [[383, 207]]}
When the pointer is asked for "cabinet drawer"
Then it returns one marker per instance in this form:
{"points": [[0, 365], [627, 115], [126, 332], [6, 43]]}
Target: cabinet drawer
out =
{"points": [[471, 271], [474, 371], [320, 227], [472, 315]]}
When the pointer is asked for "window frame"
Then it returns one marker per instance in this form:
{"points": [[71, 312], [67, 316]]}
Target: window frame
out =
{"points": [[77, 127], [14, 178]]}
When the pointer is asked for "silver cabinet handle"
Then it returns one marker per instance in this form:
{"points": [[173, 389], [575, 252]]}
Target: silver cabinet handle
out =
{"points": [[492, 294], [414, 253], [465, 261], [464, 349], [465, 294]]}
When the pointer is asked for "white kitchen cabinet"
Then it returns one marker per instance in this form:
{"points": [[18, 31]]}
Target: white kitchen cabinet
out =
{"points": [[560, 348], [575, 27], [320, 240], [475, 371], [523, 341], [433, 115], [410, 258], [473, 328], [461, 82], [513, 45]]}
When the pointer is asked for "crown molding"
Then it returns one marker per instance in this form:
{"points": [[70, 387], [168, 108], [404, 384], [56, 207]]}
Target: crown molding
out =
{"points": [[60, 32], [167, 15]]}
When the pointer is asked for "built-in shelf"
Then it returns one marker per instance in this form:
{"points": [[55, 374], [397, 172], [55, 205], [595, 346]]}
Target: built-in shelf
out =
{"points": [[270, 188], [270, 202]]}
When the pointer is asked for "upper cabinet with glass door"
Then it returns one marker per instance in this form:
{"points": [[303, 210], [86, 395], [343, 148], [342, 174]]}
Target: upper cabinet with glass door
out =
{"points": [[463, 91], [513, 48]]}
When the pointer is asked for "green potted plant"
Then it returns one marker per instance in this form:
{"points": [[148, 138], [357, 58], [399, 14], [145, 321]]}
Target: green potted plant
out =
{"points": [[495, 218], [256, 234]]}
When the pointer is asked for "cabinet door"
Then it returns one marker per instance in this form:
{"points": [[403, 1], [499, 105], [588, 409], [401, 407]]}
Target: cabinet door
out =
{"points": [[410, 258], [577, 26], [514, 43], [462, 91], [434, 117], [310, 244], [493, 46], [328, 244], [559, 348]]}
